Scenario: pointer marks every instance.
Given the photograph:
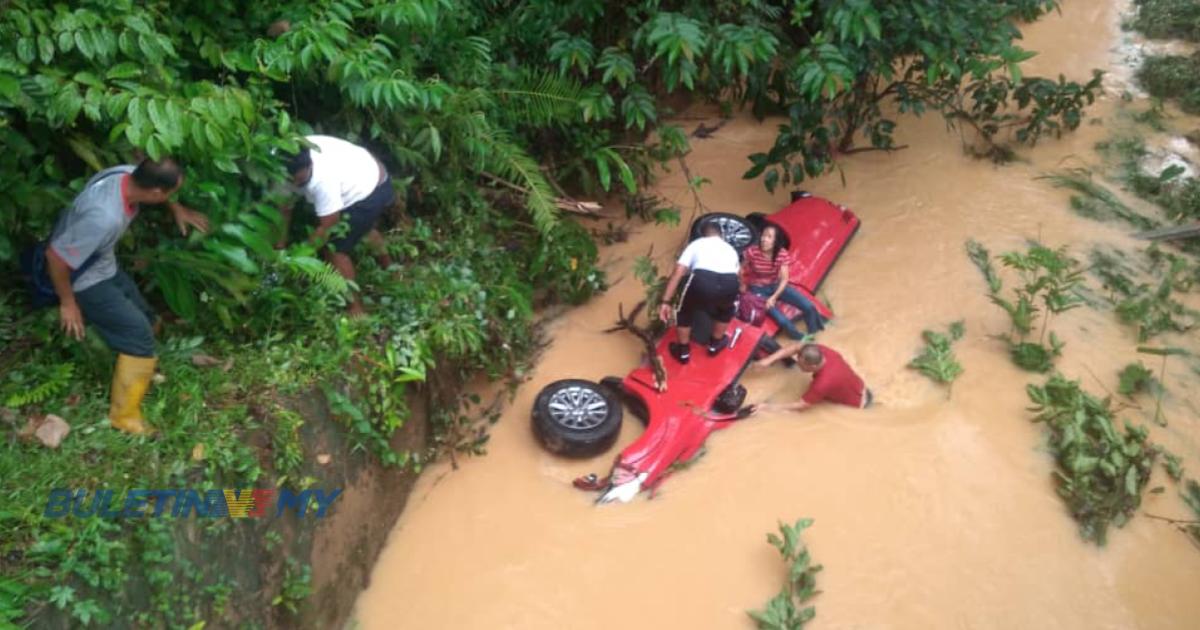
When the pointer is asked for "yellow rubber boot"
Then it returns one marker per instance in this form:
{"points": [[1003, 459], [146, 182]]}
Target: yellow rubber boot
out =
{"points": [[130, 382]]}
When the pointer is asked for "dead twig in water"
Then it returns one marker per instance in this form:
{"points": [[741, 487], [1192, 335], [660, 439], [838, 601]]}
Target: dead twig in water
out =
{"points": [[651, 346], [1189, 528], [703, 131], [852, 151], [1121, 405], [1172, 521]]}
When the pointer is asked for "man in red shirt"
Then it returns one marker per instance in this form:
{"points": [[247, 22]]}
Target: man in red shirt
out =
{"points": [[832, 378]]}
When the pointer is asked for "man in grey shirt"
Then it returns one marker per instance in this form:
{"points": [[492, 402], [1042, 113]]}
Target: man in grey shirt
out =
{"points": [[83, 243]]}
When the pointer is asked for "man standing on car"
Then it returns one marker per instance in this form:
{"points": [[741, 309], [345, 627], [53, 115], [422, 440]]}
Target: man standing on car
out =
{"points": [[712, 288], [346, 185], [832, 378], [82, 265]]}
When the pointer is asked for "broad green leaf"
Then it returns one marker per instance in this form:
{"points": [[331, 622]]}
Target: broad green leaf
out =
{"points": [[603, 172], [10, 88], [125, 70], [213, 135]]}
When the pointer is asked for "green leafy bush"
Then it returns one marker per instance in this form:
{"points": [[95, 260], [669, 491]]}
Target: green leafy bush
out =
{"points": [[1101, 470], [850, 63], [1163, 19], [1173, 77]]}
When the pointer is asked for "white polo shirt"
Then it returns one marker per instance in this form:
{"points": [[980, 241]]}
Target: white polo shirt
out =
{"points": [[710, 253], [343, 174]]}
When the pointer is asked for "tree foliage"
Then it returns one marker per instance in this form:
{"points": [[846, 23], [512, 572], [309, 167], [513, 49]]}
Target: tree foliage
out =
{"points": [[88, 86], [852, 66]]}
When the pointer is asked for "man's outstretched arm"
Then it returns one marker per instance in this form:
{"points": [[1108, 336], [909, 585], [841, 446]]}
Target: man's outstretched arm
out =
{"points": [[786, 351]]}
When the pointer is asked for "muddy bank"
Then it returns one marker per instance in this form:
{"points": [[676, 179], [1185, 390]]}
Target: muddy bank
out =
{"points": [[931, 511], [248, 563], [342, 546], [263, 555]]}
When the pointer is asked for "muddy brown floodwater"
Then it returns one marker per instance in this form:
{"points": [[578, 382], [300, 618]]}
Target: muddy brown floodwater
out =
{"points": [[931, 512]]}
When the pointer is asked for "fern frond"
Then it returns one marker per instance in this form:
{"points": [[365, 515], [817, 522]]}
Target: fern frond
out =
{"points": [[407, 156], [544, 99], [50, 384], [322, 276], [511, 162]]}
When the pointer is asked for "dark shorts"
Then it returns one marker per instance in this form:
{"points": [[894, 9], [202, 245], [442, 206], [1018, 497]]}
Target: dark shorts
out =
{"points": [[709, 292], [361, 217], [116, 309]]}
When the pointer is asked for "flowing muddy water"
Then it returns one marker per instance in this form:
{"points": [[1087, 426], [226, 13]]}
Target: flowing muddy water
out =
{"points": [[931, 512]]}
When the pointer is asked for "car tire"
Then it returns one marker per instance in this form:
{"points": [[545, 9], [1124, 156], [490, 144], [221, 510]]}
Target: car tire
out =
{"points": [[635, 403], [576, 418], [736, 230]]}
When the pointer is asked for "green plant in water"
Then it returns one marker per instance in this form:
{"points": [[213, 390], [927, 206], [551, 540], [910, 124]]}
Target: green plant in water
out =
{"points": [[1135, 378], [1035, 357], [1109, 266], [788, 610], [1093, 200], [1153, 310], [1172, 464], [937, 360], [983, 260], [1048, 277], [1101, 470]]}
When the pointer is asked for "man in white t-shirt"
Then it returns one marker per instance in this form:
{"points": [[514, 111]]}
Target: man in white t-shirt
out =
{"points": [[345, 184], [712, 288]]}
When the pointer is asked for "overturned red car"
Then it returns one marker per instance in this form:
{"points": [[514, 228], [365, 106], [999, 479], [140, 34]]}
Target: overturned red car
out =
{"points": [[579, 418]]}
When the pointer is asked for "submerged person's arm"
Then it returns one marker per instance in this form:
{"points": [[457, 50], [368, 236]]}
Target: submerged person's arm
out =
{"points": [[799, 405]]}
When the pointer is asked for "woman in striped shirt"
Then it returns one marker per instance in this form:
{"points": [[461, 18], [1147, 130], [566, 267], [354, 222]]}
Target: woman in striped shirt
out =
{"points": [[765, 272]]}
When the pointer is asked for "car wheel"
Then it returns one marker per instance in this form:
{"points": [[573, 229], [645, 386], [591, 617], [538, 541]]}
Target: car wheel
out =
{"points": [[576, 418], [736, 230], [634, 402]]}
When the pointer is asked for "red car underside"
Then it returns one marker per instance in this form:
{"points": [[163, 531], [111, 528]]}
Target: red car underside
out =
{"points": [[680, 418]]}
